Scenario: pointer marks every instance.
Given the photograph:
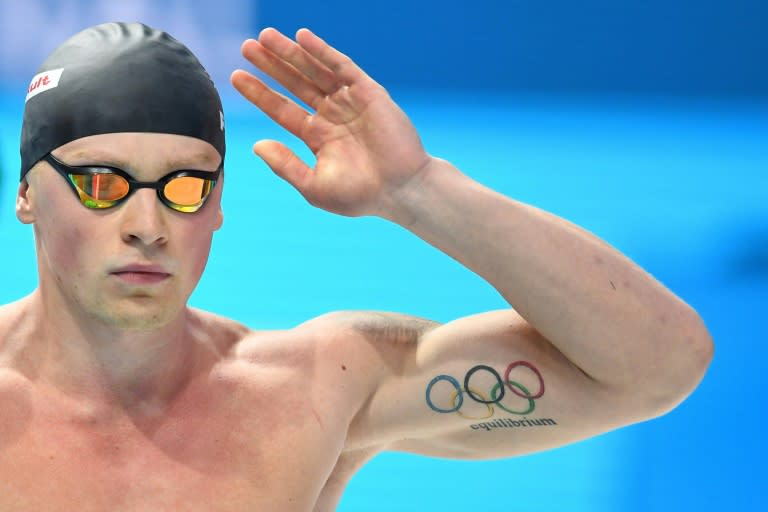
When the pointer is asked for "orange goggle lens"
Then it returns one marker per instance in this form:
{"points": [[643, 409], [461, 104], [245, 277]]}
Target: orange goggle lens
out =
{"points": [[104, 190], [187, 193]]}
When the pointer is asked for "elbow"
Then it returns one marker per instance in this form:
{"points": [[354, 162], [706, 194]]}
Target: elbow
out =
{"points": [[681, 366], [699, 346]]}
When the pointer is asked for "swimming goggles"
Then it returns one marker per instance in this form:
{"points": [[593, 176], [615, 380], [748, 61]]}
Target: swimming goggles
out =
{"points": [[102, 186]]}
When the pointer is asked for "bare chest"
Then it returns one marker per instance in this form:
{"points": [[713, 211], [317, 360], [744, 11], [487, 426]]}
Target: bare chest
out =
{"points": [[265, 446]]}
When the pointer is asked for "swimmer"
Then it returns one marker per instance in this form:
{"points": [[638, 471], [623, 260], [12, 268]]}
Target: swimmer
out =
{"points": [[117, 396]]}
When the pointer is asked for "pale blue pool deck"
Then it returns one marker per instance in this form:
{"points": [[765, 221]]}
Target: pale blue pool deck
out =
{"points": [[679, 186]]}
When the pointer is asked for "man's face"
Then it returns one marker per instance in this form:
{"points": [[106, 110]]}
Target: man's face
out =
{"points": [[132, 266]]}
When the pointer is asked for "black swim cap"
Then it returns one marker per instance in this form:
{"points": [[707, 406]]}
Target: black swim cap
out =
{"points": [[119, 77]]}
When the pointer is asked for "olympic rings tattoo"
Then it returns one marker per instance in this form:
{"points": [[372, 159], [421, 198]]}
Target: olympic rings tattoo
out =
{"points": [[497, 391]]}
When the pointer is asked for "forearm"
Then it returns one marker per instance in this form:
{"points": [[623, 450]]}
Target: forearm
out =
{"points": [[606, 314]]}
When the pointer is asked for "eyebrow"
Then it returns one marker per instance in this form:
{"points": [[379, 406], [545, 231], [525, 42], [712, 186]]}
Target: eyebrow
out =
{"points": [[95, 156]]}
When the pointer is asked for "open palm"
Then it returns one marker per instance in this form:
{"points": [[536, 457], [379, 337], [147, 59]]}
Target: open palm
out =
{"points": [[366, 148]]}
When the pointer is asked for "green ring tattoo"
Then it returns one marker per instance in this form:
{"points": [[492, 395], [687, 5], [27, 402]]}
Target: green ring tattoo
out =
{"points": [[531, 402]]}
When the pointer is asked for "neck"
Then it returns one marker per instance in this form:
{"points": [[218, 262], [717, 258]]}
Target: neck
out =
{"points": [[138, 370]]}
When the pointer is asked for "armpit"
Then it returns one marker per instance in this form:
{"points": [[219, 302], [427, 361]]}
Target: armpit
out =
{"points": [[393, 328]]}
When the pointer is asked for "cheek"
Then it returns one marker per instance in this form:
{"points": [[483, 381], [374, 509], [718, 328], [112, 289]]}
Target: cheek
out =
{"points": [[200, 232], [195, 248], [202, 250], [65, 239], [62, 245]]}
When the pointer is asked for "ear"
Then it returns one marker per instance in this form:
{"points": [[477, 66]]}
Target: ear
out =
{"points": [[219, 220], [24, 210]]}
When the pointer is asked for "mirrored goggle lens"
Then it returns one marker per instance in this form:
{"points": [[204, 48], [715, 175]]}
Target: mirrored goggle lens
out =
{"points": [[187, 193], [104, 190], [100, 190]]}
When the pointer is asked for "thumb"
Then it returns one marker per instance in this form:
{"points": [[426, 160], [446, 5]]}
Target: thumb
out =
{"points": [[284, 163]]}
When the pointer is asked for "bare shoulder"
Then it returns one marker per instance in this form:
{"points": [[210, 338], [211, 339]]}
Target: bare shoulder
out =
{"points": [[347, 353], [340, 332], [396, 329], [376, 342], [13, 309], [13, 320], [224, 332]]}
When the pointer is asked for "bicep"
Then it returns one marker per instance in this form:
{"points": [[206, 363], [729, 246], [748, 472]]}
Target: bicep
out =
{"points": [[486, 386]]}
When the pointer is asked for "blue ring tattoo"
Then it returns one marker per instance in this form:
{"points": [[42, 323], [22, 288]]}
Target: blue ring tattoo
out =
{"points": [[455, 384]]}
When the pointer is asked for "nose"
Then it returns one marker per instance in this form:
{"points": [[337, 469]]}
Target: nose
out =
{"points": [[144, 219]]}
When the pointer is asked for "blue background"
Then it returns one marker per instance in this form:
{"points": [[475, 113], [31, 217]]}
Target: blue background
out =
{"points": [[644, 122]]}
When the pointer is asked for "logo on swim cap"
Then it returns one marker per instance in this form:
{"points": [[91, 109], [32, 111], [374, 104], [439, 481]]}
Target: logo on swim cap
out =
{"points": [[221, 117], [43, 81]]}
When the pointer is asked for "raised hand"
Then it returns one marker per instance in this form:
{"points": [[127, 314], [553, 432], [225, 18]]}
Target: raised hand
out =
{"points": [[366, 148]]}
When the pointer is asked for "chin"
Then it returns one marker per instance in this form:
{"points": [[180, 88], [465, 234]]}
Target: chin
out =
{"points": [[146, 322], [140, 317]]}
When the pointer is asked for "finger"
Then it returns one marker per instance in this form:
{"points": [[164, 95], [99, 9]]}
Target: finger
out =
{"points": [[282, 110], [284, 73], [342, 66], [340, 107], [284, 163], [297, 57]]}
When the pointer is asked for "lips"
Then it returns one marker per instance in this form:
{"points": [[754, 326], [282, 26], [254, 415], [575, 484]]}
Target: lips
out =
{"points": [[141, 268], [141, 273]]}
